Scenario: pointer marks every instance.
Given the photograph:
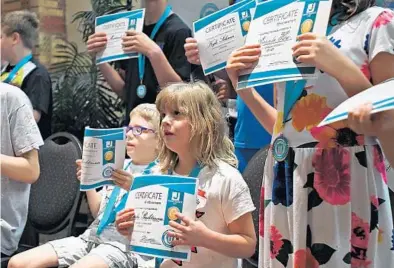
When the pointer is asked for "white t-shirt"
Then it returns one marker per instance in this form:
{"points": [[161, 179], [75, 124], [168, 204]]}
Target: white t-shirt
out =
{"points": [[223, 197]]}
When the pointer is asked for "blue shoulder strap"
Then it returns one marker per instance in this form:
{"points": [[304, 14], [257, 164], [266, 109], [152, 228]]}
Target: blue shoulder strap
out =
{"points": [[110, 209]]}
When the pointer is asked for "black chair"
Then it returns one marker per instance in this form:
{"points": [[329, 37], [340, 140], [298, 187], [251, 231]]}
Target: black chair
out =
{"points": [[253, 175], [55, 198]]}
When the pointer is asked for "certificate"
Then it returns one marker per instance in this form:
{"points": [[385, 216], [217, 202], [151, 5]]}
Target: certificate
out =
{"points": [[275, 26], [221, 33], [103, 152], [115, 26], [156, 199], [381, 96]]}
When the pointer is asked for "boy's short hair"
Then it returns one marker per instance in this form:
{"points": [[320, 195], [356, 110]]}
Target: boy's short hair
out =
{"points": [[23, 22], [149, 112]]}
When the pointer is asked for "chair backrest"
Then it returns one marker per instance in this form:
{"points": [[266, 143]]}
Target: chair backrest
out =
{"points": [[253, 175], [55, 197]]}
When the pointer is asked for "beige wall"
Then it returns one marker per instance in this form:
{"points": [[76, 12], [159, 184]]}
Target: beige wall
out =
{"points": [[72, 7]]}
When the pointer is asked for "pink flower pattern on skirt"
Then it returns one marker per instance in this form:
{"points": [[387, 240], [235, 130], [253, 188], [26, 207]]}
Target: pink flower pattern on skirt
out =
{"points": [[261, 213], [359, 241], [276, 242], [332, 175], [379, 163]]}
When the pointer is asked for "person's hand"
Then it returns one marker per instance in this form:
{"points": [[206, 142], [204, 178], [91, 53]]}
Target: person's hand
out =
{"points": [[222, 90], [96, 43], [363, 122], [139, 42], [190, 233], [122, 178], [241, 59], [319, 52], [125, 222], [191, 51], [79, 168]]}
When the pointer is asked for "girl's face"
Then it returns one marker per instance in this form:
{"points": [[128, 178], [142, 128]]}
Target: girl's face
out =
{"points": [[175, 130], [142, 142]]}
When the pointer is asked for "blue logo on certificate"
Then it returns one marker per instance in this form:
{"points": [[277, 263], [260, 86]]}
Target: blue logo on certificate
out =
{"points": [[167, 240]]}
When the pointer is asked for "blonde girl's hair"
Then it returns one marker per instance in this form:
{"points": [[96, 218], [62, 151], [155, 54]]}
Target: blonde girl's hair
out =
{"points": [[208, 141], [148, 112]]}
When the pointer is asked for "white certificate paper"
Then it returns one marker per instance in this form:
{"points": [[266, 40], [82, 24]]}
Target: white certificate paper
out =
{"points": [[275, 26], [381, 96], [222, 32], [103, 152], [115, 26], [156, 199]]}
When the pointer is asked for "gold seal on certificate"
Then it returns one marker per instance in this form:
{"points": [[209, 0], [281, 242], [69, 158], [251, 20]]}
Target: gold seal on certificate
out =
{"points": [[245, 26], [172, 211], [306, 26], [108, 156]]}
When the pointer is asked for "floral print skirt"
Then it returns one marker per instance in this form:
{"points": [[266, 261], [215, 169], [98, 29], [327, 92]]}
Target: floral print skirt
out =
{"points": [[326, 208]]}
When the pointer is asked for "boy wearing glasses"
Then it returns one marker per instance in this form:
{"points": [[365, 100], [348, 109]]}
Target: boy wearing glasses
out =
{"points": [[101, 245]]}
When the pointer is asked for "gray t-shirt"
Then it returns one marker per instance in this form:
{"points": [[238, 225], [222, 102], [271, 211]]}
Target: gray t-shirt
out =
{"points": [[19, 135]]}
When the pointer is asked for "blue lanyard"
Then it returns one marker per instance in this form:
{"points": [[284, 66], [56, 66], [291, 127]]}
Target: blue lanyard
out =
{"points": [[17, 67], [141, 57], [110, 209], [193, 174], [293, 89]]}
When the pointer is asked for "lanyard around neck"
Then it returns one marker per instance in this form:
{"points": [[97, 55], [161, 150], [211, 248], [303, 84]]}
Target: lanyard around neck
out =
{"points": [[110, 209], [193, 174], [17, 67], [141, 57]]}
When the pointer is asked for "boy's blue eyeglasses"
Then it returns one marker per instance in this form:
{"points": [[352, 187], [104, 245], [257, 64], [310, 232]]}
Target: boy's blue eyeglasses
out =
{"points": [[138, 130]]}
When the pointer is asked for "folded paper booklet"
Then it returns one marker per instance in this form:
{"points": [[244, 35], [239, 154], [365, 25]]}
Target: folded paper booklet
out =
{"points": [[115, 26], [380, 96], [222, 32], [156, 200], [275, 26], [103, 152]]}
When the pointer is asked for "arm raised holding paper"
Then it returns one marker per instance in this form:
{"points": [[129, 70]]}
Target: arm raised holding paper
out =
{"points": [[242, 59], [139, 42], [320, 52], [96, 43], [133, 42]]}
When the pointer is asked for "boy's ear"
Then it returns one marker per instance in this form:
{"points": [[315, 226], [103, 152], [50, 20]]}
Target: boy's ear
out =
{"points": [[16, 38]]}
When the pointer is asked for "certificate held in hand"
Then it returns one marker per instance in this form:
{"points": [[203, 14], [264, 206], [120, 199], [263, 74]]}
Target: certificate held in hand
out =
{"points": [[222, 32], [103, 152], [275, 26], [157, 199], [115, 27]]}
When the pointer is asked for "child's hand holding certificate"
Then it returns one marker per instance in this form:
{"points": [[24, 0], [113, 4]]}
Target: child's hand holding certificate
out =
{"points": [[275, 26], [156, 200], [380, 96], [115, 27]]}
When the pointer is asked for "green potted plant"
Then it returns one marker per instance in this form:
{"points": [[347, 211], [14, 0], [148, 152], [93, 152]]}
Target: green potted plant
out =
{"points": [[81, 95]]}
